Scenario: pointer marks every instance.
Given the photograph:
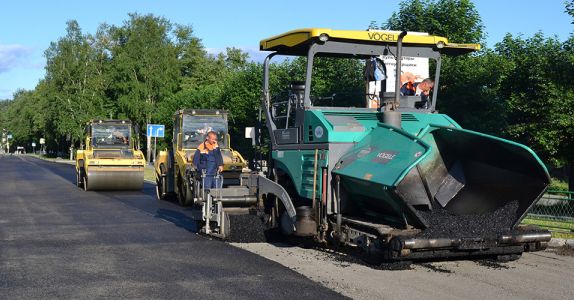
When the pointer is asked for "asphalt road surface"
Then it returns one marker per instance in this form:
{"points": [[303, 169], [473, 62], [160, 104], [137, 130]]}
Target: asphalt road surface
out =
{"points": [[57, 241], [537, 275]]}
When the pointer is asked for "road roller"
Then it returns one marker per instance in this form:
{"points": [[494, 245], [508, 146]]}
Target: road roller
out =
{"points": [[110, 158], [233, 211], [397, 179]]}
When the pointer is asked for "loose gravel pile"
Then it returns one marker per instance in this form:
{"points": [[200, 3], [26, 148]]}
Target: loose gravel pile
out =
{"points": [[444, 224], [492, 264], [246, 229]]}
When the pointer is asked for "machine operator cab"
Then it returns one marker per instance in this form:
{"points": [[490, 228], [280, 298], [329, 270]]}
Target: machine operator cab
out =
{"points": [[385, 47], [110, 134]]}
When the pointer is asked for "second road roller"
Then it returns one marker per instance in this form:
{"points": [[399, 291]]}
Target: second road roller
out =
{"points": [[110, 159]]}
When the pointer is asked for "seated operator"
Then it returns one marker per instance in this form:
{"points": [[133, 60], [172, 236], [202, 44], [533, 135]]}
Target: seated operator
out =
{"points": [[419, 89], [208, 159], [119, 136]]}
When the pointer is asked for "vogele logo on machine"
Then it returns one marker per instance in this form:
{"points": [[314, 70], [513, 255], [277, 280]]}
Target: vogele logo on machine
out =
{"points": [[384, 157], [382, 36]]}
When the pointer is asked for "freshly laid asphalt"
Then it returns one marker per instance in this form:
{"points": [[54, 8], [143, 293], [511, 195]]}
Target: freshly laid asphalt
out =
{"points": [[57, 241]]}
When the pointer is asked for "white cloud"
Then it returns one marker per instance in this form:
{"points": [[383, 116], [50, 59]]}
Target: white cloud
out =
{"points": [[12, 56]]}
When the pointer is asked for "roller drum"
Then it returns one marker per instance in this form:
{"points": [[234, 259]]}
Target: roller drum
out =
{"points": [[113, 178]]}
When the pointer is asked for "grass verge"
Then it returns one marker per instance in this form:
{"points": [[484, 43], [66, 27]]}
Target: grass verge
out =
{"points": [[559, 229], [149, 173]]}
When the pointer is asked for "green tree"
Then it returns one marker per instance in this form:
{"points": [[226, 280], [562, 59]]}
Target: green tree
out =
{"points": [[191, 56], [469, 91], [539, 98], [210, 86], [569, 8], [144, 69], [468, 84], [144, 66], [458, 20], [241, 97], [73, 82]]}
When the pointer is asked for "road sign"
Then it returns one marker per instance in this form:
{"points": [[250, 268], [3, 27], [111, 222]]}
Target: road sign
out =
{"points": [[33, 144], [42, 141], [9, 136], [155, 130]]}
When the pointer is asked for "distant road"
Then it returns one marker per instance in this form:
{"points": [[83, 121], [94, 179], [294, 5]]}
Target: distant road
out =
{"points": [[57, 241]]}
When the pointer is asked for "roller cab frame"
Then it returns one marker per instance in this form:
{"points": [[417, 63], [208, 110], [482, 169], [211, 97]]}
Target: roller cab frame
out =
{"points": [[382, 180], [110, 159]]}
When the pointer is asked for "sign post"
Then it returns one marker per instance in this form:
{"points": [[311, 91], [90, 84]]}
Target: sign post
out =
{"points": [[155, 131], [8, 137], [42, 142], [34, 147]]}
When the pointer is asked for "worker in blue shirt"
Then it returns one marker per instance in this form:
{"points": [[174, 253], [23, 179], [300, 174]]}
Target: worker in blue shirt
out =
{"points": [[208, 159]]}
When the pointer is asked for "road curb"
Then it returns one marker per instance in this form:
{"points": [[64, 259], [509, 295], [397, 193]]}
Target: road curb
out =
{"points": [[55, 160], [72, 162], [559, 242]]}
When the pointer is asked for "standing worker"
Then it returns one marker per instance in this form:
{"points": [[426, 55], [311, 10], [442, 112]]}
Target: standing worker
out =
{"points": [[208, 159]]}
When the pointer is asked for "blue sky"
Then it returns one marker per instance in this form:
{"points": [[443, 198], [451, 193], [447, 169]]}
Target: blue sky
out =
{"points": [[28, 27]]}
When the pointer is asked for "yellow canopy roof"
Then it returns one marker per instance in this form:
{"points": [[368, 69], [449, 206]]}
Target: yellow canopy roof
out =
{"points": [[300, 37]]}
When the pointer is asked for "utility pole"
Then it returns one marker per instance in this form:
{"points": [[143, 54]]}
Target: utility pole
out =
{"points": [[148, 148], [155, 145]]}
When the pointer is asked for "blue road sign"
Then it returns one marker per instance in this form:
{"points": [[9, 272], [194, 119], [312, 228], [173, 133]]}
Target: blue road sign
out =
{"points": [[155, 130]]}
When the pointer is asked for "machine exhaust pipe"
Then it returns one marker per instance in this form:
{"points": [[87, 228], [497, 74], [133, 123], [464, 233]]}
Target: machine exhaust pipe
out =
{"points": [[398, 68], [391, 116]]}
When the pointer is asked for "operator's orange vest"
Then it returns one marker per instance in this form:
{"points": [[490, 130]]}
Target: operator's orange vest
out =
{"points": [[205, 147], [411, 87]]}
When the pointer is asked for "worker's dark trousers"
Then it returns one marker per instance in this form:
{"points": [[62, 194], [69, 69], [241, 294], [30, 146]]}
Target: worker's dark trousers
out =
{"points": [[212, 182]]}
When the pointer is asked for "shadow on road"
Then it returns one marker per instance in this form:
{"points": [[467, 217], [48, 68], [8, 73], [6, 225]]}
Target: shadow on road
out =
{"points": [[144, 200], [178, 218], [66, 171]]}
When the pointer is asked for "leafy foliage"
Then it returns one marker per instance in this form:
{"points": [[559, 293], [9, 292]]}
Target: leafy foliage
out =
{"points": [[456, 19]]}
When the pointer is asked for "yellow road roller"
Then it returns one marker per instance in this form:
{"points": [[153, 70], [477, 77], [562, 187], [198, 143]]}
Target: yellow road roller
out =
{"points": [[110, 159], [175, 174]]}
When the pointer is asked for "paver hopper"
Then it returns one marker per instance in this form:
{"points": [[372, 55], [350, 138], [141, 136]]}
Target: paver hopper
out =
{"points": [[449, 187]]}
